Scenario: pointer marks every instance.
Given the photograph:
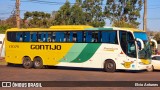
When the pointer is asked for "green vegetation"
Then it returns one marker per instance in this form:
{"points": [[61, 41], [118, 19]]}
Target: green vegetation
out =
{"points": [[123, 13], [36, 19], [3, 28], [88, 12], [157, 37]]}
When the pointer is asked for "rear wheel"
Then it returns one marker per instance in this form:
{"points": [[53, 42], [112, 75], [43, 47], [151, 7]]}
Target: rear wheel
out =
{"points": [[109, 66], [27, 63], [38, 63]]}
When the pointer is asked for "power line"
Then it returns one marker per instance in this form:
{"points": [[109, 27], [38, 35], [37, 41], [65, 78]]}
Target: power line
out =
{"points": [[34, 10], [46, 2]]}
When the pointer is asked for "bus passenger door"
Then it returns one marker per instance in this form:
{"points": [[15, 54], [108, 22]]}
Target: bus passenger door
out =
{"points": [[122, 56], [130, 51]]}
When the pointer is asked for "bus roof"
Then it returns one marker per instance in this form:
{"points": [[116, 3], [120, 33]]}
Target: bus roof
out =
{"points": [[116, 28], [74, 28], [132, 29], [70, 27], [54, 28]]}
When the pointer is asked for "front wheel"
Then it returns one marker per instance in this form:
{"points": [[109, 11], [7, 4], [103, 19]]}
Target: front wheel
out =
{"points": [[150, 69], [38, 63], [109, 66]]}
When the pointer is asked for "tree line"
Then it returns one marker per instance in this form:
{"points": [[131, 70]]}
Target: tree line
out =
{"points": [[121, 13]]}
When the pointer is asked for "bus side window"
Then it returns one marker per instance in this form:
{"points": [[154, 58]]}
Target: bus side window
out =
{"points": [[21, 37], [74, 37], [18, 35], [26, 36], [99, 36], [34, 37], [59, 36], [88, 36], [46, 37], [105, 37], [66, 36], [49, 37], [11, 36], [113, 37], [71, 37], [53, 37], [95, 37], [79, 36], [109, 37], [41, 37]]}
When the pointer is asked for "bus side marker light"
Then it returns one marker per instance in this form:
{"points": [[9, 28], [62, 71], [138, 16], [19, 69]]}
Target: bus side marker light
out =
{"points": [[121, 52]]}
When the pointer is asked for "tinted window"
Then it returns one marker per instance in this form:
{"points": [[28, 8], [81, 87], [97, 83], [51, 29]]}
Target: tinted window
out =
{"points": [[64, 36], [153, 58], [11, 36], [127, 43], [109, 37], [156, 58], [92, 36]]}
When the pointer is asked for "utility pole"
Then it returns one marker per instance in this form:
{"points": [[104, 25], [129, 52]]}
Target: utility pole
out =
{"points": [[145, 16], [18, 13]]}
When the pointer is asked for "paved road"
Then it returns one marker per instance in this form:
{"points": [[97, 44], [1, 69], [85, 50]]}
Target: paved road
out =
{"points": [[75, 74]]}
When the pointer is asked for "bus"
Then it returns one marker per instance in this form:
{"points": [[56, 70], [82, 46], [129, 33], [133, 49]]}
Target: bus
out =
{"points": [[77, 46]]}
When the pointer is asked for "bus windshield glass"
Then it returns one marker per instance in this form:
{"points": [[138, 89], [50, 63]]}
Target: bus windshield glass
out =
{"points": [[145, 53]]}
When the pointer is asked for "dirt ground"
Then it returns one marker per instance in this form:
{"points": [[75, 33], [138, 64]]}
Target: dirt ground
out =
{"points": [[18, 73]]}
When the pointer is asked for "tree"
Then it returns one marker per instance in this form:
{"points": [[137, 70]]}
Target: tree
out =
{"points": [[8, 23], [123, 11], [81, 13], [93, 12], [157, 37], [62, 17], [77, 14], [37, 19], [123, 24]]}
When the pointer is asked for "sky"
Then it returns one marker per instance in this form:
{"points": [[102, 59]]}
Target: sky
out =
{"points": [[8, 7]]}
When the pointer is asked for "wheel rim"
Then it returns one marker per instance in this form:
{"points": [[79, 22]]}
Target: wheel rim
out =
{"points": [[110, 66], [27, 63], [37, 63]]}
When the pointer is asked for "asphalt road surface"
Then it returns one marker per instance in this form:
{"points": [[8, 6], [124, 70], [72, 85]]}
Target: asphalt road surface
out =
{"points": [[10, 73]]}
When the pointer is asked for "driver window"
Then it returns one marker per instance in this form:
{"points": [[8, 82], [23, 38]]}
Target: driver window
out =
{"points": [[127, 43], [131, 51]]}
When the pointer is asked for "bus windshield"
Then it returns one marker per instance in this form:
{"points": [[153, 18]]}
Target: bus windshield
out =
{"points": [[145, 53]]}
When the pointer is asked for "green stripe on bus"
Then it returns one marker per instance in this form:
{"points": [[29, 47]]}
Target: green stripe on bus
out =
{"points": [[105, 29], [87, 52], [74, 52]]}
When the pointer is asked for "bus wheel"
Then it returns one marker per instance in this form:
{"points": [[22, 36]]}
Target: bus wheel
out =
{"points": [[109, 66], [150, 69], [38, 63], [27, 63]]}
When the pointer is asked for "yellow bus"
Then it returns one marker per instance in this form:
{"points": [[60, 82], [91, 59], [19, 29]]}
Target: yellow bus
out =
{"points": [[76, 46]]}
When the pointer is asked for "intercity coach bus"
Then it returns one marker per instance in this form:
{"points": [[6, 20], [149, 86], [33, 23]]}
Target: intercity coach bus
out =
{"points": [[77, 46]]}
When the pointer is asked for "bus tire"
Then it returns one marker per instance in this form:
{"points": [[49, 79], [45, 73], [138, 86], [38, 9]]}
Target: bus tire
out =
{"points": [[38, 63], [109, 66], [27, 63], [150, 69]]}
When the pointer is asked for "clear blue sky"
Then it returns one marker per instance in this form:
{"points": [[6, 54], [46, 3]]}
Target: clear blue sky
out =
{"points": [[8, 6]]}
